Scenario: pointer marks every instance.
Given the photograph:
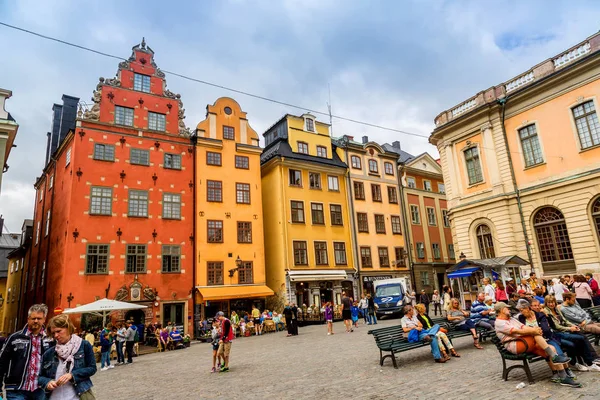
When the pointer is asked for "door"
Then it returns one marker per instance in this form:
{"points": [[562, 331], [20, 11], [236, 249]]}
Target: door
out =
{"points": [[174, 312], [440, 281]]}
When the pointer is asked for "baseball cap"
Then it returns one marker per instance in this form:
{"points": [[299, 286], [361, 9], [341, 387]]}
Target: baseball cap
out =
{"points": [[499, 306]]}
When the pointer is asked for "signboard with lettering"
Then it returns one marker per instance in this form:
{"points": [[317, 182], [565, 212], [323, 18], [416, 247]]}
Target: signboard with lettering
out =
{"points": [[376, 278]]}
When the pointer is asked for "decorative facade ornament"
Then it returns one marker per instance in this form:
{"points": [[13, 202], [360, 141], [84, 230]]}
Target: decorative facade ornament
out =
{"points": [[124, 65], [135, 290], [121, 293], [94, 113], [149, 293], [159, 73], [170, 94]]}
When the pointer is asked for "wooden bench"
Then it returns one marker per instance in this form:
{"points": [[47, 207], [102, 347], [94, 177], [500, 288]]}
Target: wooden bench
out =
{"points": [[393, 340], [524, 358]]}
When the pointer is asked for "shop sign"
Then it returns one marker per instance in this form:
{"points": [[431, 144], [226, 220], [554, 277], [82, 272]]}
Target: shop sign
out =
{"points": [[376, 278]]}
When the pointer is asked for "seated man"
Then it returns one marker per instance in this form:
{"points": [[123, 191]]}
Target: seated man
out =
{"points": [[573, 312], [519, 338], [480, 313], [410, 322], [176, 336], [277, 320]]}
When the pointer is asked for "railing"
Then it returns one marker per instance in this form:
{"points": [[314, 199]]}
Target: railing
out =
{"points": [[572, 55], [464, 107], [520, 81]]}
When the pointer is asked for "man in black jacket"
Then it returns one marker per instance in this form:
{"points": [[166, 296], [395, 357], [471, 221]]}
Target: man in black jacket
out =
{"points": [[21, 357]]}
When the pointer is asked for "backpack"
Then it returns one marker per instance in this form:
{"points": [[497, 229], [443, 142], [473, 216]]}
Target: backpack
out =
{"points": [[136, 338]]}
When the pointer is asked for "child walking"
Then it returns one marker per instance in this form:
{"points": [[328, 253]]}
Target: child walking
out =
{"points": [[215, 334], [354, 312], [329, 318]]}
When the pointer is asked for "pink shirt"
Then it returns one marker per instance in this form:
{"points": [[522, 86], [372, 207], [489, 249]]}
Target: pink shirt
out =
{"points": [[504, 330], [582, 290]]}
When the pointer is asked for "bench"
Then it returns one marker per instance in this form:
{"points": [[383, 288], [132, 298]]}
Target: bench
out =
{"points": [[393, 340], [523, 358]]}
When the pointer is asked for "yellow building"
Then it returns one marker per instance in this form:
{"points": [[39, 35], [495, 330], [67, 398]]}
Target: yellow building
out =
{"points": [[230, 269], [521, 163], [308, 225], [11, 267], [375, 200]]}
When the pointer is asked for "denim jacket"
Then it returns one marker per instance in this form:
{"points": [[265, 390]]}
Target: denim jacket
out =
{"points": [[84, 368]]}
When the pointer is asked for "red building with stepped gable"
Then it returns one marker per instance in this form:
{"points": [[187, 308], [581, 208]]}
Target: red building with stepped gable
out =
{"points": [[114, 205]]}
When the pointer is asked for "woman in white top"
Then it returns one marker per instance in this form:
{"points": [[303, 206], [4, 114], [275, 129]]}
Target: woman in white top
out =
{"points": [[489, 289], [558, 289]]}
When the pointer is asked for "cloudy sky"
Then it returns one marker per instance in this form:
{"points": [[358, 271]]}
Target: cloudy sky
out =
{"points": [[392, 63]]}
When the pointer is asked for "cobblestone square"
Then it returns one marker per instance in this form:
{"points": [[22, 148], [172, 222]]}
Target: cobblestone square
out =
{"points": [[314, 365]]}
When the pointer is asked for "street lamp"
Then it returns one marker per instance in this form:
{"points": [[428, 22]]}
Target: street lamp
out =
{"points": [[238, 264]]}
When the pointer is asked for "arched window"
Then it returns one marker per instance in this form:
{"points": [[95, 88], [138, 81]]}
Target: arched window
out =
{"points": [[596, 215], [485, 241], [553, 239]]}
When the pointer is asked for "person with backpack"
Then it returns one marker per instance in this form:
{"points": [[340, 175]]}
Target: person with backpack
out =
{"points": [[130, 340], [227, 336]]}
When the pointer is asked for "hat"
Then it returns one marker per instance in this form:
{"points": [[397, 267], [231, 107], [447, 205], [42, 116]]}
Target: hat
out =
{"points": [[499, 306], [521, 304]]}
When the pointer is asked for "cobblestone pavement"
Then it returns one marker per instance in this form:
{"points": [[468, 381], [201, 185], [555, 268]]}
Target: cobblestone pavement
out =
{"points": [[314, 365]]}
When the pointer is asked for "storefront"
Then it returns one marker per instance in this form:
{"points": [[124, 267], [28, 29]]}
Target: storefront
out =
{"points": [[231, 298], [466, 277], [317, 287]]}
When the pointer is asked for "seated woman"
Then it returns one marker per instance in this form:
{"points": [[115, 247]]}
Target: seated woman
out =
{"points": [[460, 319], [443, 341]]}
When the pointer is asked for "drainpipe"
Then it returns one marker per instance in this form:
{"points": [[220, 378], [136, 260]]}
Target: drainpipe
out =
{"points": [[503, 102], [49, 236], [193, 141], [405, 224], [352, 221], [288, 282]]}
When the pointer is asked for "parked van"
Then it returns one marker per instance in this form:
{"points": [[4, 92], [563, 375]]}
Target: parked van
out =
{"points": [[389, 296]]}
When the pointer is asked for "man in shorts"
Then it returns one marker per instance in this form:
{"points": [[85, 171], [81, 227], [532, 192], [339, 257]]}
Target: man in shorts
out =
{"points": [[227, 336], [347, 312]]}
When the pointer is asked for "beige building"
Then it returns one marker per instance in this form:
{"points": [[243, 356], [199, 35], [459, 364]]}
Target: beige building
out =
{"points": [[8, 132], [521, 164]]}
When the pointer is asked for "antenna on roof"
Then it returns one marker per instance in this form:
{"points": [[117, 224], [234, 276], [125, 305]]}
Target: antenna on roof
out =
{"points": [[329, 109]]}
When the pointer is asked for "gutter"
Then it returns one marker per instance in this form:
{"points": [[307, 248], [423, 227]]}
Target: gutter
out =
{"points": [[193, 141]]}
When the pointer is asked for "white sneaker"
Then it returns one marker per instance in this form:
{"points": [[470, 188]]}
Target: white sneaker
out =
{"points": [[328, 333], [580, 367], [104, 369], [111, 366], [594, 368]]}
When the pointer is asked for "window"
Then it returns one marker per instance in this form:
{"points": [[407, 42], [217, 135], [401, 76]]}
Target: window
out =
{"points": [[33, 276], [356, 164], [427, 185], [485, 241], [431, 219], [376, 192], [245, 275], [322, 151], [138, 203], [335, 211], [396, 225], [171, 259], [214, 270], [446, 218], [141, 83], [123, 116], [68, 157], [97, 259], [384, 257], [379, 223], [172, 161], [532, 153], [101, 201], [411, 182], [228, 133], [214, 191], [242, 193], [37, 233], [43, 274], [213, 158], [339, 252], [40, 194], [214, 231], [321, 253], [333, 183], [242, 162], [171, 206], [399, 254], [552, 236], [51, 182], [156, 121], [136, 259], [295, 177], [316, 210], [300, 254], [441, 188], [297, 211], [104, 152], [595, 217], [420, 250], [139, 157], [303, 147], [424, 278], [362, 222], [435, 247], [359, 191], [392, 195], [451, 254], [389, 168], [415, 217], [314, 180], [373, 167], [244, 232], [310, 124], [586, 121], [473, 165], [47, 231], [365, 257]]}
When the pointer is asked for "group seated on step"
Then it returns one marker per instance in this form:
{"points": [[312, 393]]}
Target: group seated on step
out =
{"points": [[257, 323]]}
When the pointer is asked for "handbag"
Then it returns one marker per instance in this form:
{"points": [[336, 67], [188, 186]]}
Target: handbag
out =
{"points": [[89, 395], [413, 336]]}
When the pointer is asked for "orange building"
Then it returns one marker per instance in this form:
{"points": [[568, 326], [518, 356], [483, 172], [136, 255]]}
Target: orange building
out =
{"points": [[114, 205]]}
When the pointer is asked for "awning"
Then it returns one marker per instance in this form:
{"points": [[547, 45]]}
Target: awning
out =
{"points": [[234, 292], [462, 272], [317, 275]]}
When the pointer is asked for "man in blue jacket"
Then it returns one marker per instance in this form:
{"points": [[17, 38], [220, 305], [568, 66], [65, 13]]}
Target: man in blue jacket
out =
{"points": [[21, 357]]}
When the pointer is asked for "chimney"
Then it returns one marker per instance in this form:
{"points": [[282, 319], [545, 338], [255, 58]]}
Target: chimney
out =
{"points": [[365, 139], [1, 224], [48, 143], [56, 114], [396, 145], [68, 116]]}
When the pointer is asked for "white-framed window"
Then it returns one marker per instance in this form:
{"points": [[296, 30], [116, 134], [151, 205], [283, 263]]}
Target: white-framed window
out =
{"points": [[333, 183], [473, 164], [303, 147], [40, 194], [586, 122], [414, 214], [47, 230], [51, 181], [356, 163], [68, 158], [530, 144], [427, 185], [37, 232], [441, 188], [411, 182]]}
